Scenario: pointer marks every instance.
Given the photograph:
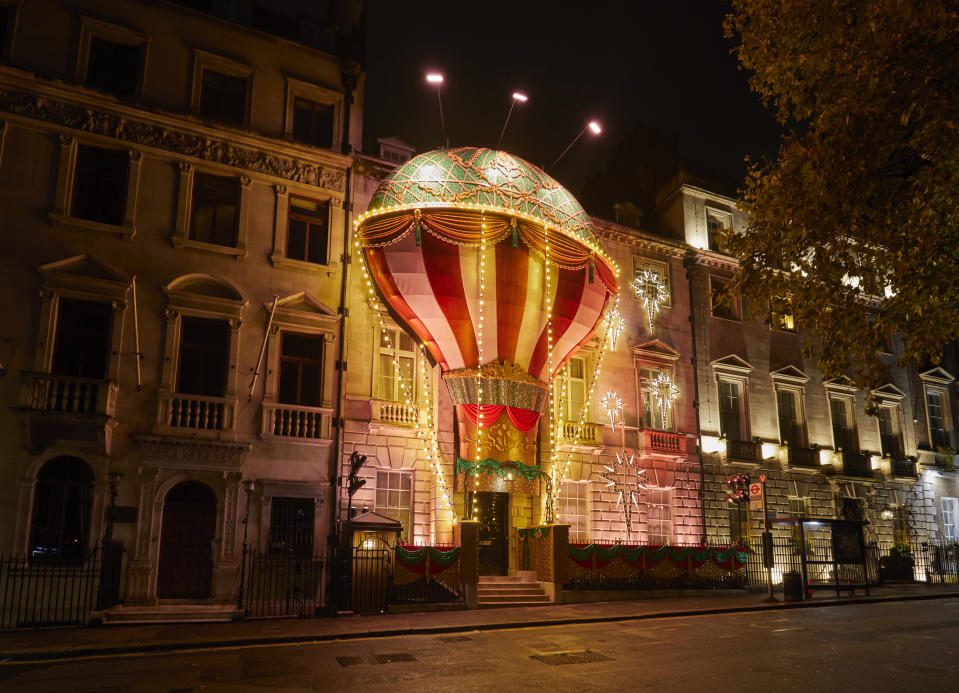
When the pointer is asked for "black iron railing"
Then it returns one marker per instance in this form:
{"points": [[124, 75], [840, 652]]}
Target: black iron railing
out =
{"points": [[36, 593], [803, 457], [856, 464], [744, 450], [283, 585], [903, 468]]}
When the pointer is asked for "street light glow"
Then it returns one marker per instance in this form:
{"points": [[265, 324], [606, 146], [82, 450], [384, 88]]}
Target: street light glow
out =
{"points": [[594, 127], [520, 97], [434, 78]]}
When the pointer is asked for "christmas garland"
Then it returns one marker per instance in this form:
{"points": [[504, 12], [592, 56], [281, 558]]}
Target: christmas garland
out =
{"points": [[426, 560], [598, 556], [526, 532], [491, 466]]}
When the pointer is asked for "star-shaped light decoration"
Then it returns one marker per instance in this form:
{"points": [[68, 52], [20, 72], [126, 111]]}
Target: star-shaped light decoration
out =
{"points": [[628, 481], [649, 287], [664, 391], [616, 325], [613, 406]]}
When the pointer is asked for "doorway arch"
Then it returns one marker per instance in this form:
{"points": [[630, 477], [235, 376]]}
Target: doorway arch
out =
{"points": [[185, 569]]}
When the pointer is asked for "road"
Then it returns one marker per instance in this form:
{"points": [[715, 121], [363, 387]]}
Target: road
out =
{"points": [[907, 647]]}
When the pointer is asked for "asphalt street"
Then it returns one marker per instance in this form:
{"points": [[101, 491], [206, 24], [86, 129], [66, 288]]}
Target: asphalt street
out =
{"points": [[893, 646]]}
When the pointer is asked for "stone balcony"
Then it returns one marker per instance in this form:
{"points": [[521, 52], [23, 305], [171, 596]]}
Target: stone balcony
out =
{"points": [[743, 451], [64, 407], [588, 433], [196, 415], [296, 423], [652, 441], [803, 458]]}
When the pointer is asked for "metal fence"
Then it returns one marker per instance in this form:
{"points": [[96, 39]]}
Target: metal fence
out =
{"points": [[279, 584], [46, 593], [424, 591]]}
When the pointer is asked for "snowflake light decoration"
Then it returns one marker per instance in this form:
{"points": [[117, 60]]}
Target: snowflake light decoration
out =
{"points": [[664, 391], [613, 405], [649, 287], [616, 325], [628, 481]]}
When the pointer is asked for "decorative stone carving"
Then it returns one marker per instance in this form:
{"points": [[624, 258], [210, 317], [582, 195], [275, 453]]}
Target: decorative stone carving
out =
{"points": [[135, 155], [188, 453], [170, 138]]}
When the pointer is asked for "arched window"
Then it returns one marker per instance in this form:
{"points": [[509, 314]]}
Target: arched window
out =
{"points": [[62, 505]]}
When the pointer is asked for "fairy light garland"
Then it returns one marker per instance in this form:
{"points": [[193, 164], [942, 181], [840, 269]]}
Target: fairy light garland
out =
{"points": [[549, 362], [430, 442]]}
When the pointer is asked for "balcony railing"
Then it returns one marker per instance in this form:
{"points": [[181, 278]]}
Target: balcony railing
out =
{"points": [[67, 394], [856, 464], [198, 413], [296, 422], [945, 462], [588, 432], [744, 450], [665, 442], [903, 468], [394, 413], [807, 458]]}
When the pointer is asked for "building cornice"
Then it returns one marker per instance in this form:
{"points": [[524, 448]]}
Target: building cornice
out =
{"points": [[73, 108]]}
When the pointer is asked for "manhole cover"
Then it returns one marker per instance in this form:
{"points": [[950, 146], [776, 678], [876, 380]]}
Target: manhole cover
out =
{"points": [[576, 657], [394, 657]]}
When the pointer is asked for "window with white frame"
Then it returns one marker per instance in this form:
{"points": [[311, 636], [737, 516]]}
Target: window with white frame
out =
{"points": [[573, 509], [798, 507], [222, 89], [717, 221], [394, 498], [657, 267], [660, 518], [843, 419], [212, 211], [731, 410], [575, 374], [890, 430], [950, 511], [111, 58], [396, 366], [935, 407], [792, 424], [313, 114], [652, 415]]}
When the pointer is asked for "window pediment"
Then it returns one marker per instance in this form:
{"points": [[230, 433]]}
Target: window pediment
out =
{"points": [[732, 364], [889, 391], [655, 350], [301, 310], [841, 384], [205, 293], [937, 376], [789, 374], [87, 275]]}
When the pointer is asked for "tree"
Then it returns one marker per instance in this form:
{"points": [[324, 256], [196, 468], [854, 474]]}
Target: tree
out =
{"points": [[854, 228]]}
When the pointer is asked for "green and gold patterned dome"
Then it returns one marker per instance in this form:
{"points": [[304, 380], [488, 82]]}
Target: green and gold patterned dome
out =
{"points": [[477, 177]]}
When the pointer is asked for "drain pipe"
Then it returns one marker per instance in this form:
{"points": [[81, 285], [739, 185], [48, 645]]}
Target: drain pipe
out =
{"points": [[689, 262]]}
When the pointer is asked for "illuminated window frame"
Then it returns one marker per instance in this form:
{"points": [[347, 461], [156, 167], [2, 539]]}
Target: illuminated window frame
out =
{"points": [[661, 268], [573, 509]]}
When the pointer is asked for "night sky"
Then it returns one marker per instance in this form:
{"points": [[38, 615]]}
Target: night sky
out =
{"points": [[648, 65]]}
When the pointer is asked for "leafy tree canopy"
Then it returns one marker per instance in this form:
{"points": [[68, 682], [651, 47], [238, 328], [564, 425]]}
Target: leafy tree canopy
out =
{"points": [[861, 207]]}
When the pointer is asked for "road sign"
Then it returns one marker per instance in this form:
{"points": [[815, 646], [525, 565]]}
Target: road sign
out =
{"points": [[755, 491]]}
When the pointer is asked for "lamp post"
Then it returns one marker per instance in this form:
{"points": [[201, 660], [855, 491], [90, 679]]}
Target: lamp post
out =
{"points": [[437, 79], [592, 126], [248, 486], [517, 96], [108, 577]]}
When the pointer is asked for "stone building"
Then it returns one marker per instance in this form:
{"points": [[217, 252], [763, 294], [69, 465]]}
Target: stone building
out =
{"points": [[178, 186]]}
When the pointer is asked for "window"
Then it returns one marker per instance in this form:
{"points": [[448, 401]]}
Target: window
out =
{"points": [[660, 524], [99, 187], [82, 338], [8, 15], [396, 366], [730, 411], [312, 122], [652, 415], [791, 424], [716, 223], [799, 507], [223, 97], [301, 368], [780, 315], [394, 498], [113, 66], [308, 231], [62, 505], [901, 526], [574, 510], [726, 307], [660, 269], [215, 205], [937, 419], [890, 433], [291, 525], [575, 387], [204, 355], [843, 424], [950, 510]]}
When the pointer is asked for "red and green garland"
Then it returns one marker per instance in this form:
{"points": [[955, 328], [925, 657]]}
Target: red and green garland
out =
{"points": [[426, 560], [598, 556]]}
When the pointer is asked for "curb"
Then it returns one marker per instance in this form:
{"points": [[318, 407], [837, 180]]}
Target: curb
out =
{"points": [[174, 647]]}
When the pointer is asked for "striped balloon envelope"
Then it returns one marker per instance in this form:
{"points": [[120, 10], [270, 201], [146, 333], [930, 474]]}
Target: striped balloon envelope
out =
{"points": [[456, 242]]}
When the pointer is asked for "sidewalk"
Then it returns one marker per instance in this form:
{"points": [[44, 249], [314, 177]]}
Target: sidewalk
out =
{"points": [[65, 643]]}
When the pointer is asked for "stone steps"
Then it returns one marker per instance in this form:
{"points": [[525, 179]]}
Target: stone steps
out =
{"points": [[496, 591], [170, 613]]}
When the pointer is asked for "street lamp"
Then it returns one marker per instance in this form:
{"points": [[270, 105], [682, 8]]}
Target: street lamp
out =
{"points": [[517, 96], [592, 126], [437, 79]]}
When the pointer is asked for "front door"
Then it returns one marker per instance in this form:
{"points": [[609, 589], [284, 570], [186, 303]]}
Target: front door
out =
{"points": [[186, 542], [492, 511]]}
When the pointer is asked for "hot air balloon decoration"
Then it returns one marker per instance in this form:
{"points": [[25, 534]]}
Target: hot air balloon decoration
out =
{"points": [[496, 270]]}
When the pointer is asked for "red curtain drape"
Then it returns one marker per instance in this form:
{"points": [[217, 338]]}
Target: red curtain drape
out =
{"points": [[523, 419]]}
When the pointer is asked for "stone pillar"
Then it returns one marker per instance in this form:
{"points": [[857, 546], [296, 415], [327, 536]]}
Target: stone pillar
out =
{"points": [[469, 561], [560, 559]]}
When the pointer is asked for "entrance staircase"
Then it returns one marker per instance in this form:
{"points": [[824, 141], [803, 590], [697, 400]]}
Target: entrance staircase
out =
{"points": [[170, 613], [495, 591]]}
